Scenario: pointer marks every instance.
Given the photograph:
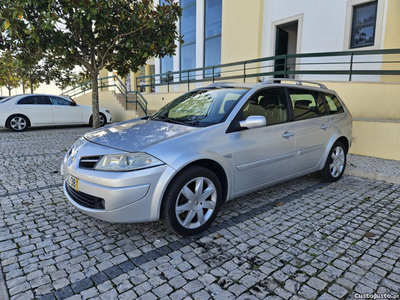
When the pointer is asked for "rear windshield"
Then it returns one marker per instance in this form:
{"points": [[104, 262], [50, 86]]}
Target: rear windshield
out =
{"points": [[201, 108], [6, 99]]}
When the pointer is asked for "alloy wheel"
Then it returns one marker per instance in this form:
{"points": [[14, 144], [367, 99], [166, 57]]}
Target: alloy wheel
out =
{"points": [[196, 202], [18, 123], [337, 164]]}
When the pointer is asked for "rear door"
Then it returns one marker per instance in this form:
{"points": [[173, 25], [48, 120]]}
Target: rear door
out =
{"points": [[64, 112], [313, 127], [264, 154], [37, 108]]}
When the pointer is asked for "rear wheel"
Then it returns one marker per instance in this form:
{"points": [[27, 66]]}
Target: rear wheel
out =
{"points": [[335, 163], [18, 123], [192, 201]]}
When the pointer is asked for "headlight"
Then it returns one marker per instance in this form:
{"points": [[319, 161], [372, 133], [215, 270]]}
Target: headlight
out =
{"points": [[127, 162]]}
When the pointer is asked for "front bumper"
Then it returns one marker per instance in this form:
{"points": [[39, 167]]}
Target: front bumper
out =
{"points": [[129, 197]]}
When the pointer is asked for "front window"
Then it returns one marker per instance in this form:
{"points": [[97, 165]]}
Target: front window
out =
{"points": [[200, 108], [59, 101], [364, 23], [269, 103]]}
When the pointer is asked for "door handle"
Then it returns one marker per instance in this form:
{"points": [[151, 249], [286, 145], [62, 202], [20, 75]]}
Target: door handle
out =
{"points": [[324, 126], [287, 135]]}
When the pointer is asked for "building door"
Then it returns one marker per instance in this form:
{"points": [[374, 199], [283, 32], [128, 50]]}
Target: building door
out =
{"points": [[281, 47], [286, 43]]}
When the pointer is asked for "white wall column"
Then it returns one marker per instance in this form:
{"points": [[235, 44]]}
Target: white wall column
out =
{"points": [[200, 8]]}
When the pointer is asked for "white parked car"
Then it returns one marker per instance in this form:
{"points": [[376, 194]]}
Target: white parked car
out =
{"points": [[23, 111]]}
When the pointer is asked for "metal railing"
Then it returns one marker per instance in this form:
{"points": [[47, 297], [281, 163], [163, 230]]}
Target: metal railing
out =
{"points": [[115, 84], [348, 63]]}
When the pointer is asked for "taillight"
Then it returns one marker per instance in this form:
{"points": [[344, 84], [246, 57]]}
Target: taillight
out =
{"points": [[351, 116]]}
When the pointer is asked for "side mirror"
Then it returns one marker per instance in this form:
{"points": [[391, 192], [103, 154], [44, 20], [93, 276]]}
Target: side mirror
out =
{"points": [[253, 122]]}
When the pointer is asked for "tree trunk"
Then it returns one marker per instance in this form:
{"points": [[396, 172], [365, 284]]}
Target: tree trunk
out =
{"points": [[31, 82], [9, 91], [94, 74]]}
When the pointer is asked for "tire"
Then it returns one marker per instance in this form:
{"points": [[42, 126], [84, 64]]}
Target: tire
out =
{"points": [[103, 120], [335, 163], [18, 123], [197, 211]]}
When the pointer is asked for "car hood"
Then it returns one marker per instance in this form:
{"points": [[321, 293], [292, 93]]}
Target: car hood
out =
{"points": [[137, 135], [88, 107]]}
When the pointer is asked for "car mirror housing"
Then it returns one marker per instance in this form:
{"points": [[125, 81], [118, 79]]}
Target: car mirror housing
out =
{"points": [[253, 122]]}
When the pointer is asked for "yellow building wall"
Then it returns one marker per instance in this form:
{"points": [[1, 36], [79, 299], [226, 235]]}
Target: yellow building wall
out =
{"points": [[241, 30], [378, 139], [369, 100], [392, 39]]}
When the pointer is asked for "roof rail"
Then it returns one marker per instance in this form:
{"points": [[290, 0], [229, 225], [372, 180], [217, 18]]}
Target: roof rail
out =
{"points": [[298, 82]]}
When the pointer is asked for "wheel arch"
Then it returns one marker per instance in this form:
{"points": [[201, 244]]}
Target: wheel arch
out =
{"points": [[345, 142], [100, 113], [17, 115], [210, 164], [337, 137]]}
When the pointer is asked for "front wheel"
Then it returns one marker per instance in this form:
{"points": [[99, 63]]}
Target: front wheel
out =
{"points": [[192, 201], [335, 163], [103, 120]]}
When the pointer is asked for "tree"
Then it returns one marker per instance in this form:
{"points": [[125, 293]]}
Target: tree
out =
{"points": [[8, 71], [94, 34]]}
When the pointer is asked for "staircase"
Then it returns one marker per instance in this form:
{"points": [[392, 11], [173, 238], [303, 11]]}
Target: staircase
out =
{"points": [[131, 106], [129, 100]]}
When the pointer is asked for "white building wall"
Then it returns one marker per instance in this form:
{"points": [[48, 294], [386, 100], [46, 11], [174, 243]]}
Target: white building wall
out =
{"points": [[324, 26]]}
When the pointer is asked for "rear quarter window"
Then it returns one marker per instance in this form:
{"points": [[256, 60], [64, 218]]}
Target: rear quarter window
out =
{"points": [[333, 103]]}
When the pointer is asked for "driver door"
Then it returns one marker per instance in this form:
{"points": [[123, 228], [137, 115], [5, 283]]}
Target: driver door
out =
{"points": [[264, 154], [64, 113]]}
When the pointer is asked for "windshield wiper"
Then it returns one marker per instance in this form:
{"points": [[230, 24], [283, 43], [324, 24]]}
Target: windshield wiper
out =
{"points": [[169, 120]]}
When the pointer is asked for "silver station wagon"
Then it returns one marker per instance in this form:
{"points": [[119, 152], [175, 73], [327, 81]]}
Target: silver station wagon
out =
{"points": [[208, 146]]}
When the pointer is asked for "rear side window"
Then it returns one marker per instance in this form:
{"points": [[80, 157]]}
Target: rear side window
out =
{"points": [[34, 100], [333, 103], [306, 104]]}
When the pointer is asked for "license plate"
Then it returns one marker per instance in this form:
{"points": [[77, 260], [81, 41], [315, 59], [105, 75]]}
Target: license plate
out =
{"points": [[71, 181]]}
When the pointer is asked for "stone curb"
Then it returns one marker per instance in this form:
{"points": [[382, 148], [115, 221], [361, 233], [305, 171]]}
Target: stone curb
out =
{"points": [[371, 175], [3, 288]]}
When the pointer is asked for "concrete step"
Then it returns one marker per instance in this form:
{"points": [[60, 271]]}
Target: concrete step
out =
{"points": [[130, 106]]}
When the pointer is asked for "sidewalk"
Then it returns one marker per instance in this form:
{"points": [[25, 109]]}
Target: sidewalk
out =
{"points": [[373, 168]]}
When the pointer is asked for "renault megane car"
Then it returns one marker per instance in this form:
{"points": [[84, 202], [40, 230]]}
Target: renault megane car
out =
{"points": [[208, 146], [23, 111]]}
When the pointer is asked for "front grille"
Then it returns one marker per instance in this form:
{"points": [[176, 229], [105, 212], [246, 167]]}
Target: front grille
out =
{"points": [[85, 200], [89, 162]]}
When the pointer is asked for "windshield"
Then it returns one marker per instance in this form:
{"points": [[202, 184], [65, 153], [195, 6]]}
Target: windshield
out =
{"points": [[200, 107], [6, 99]]}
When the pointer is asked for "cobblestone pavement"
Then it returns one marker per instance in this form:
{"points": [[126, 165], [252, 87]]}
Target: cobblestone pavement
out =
{"points": [[304, 239], [375, 164]]}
